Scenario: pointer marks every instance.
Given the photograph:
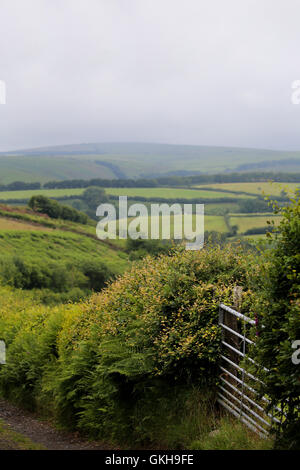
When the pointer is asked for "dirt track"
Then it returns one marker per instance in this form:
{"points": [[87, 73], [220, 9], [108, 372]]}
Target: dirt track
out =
{"points": [[41, 433]]}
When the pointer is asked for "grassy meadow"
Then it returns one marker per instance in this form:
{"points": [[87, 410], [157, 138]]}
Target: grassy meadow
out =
{"points": [[245, 222], [163, 193], [257, 189], [27, 194], [56, 245]]}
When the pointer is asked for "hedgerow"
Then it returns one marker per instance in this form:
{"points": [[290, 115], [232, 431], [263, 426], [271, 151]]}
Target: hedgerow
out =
{"points": [[55, 210], [100, 365]]}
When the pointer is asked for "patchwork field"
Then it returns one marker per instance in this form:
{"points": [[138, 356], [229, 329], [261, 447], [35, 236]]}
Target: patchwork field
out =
{"points": [[215, 213]]}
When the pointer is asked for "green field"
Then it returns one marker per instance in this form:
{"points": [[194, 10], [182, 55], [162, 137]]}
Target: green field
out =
{"points": [[5, 195], [164, 193], [269, 188], [247, 222], [214, 223], [217, 222], [22, 218]]}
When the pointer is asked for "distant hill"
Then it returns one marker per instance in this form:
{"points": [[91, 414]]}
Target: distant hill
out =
{"points": [[133, 160], [286, 165]]}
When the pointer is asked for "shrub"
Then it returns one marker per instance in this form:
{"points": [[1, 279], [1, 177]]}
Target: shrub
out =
{"points": [[139, 248], [258, 230], [97, 274], [55, 210], [55, 276]]}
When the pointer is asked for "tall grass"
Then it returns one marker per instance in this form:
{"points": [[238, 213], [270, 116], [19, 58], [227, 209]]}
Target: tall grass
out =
{"points": [[230, 434]]}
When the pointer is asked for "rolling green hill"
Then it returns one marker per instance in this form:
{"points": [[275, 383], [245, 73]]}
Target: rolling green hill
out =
{"points": [[120, 160], [56, 259], [44, 168]]}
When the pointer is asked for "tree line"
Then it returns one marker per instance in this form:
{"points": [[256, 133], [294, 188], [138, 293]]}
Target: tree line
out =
{"points": [[157, 182], [176, 180]]}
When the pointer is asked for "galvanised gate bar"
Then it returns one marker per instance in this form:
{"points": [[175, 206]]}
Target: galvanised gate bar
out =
{"points": [[236, 390]]}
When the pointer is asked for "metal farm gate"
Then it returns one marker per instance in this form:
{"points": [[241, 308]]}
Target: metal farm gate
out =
{"points": [[236, 391]]}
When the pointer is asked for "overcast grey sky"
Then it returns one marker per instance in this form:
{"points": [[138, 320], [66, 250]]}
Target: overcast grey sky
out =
{"points": [[208, 72]]}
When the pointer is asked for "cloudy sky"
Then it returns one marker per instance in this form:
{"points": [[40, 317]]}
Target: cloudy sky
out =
{"points": [[176, 71]]}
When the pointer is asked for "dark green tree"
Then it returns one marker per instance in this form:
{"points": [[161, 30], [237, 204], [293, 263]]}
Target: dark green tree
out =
{"points": [[94, 196]]}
